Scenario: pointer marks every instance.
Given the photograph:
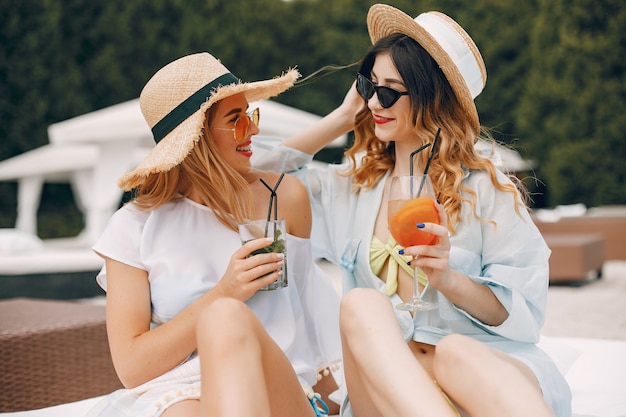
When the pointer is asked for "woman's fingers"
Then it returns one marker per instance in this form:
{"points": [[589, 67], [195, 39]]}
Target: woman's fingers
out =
{"points": [[433, 259], [251, 268]]}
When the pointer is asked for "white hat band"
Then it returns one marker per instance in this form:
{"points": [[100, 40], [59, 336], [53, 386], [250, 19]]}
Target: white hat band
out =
{"points": [[456, 47]]}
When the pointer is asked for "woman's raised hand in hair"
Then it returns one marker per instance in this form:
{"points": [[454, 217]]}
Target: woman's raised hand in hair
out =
{"points": [[338, 122]]}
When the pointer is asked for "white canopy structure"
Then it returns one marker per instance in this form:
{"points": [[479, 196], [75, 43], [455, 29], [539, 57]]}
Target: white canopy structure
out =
{"points": [[92, 151]]}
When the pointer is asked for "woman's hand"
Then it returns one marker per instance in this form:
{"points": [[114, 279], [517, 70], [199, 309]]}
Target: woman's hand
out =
{"points": [[352, 103], [246, 274]]}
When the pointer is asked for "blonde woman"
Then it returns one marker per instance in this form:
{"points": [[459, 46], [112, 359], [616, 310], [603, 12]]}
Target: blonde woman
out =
{"points": [[475, 355], [190, 332]]}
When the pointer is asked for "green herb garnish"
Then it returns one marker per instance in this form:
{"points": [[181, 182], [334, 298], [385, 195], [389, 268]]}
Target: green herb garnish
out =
{"points": [[277, 246]]}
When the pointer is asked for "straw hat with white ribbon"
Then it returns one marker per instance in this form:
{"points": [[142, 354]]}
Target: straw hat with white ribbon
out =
{"points": [[447, 42], [174, 103]]}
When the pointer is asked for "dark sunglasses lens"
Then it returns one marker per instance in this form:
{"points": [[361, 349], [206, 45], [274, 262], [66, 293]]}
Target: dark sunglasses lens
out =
{"points": [[364, 86], [387, 97]]}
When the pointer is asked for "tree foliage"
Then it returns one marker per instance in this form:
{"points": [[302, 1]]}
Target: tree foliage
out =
{"points": [[571, 114], [555, 85]]}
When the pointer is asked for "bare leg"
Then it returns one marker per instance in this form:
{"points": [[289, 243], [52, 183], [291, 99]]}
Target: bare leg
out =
{"points": [[485, 381], [244, 372], [382, 373]]}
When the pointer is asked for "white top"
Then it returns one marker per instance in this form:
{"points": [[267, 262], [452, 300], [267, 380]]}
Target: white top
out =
{"points": [[186, 250]]}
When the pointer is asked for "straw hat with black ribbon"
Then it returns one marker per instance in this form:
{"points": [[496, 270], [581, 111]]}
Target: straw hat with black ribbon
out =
{"points": [[447, 42], [174, 103]]}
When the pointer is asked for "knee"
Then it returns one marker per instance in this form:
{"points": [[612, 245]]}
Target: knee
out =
{"points": [[456, 353], [356, 307], [225, 321]]}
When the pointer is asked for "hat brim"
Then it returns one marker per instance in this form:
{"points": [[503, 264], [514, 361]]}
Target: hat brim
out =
{"points": [[384, 20], [176, 145]]}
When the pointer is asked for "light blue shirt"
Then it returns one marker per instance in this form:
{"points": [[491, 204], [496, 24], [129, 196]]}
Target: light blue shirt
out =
{"points": [[511, 258]]}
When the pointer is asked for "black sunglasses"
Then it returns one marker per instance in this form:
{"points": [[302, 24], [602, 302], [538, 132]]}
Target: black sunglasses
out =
{"points": [[387, 96]]}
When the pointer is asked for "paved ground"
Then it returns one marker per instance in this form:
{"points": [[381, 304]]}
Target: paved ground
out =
{"points": [[596, 310]]}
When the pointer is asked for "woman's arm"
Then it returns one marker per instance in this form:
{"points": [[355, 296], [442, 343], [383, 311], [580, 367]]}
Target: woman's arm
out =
{"points": [[507, 289], [338, 122], [140, 354], [472, 297]]}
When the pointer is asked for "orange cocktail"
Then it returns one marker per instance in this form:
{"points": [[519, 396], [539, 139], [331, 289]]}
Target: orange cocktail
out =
{"points": [[404, 217], [411, 202]]}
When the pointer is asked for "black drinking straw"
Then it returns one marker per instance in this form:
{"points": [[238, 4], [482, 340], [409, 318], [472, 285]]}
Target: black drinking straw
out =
{"points": [[273, 200], [430, 158], [421, 148]]}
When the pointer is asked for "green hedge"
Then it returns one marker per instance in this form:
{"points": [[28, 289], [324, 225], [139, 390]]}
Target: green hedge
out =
{"points": [[555, 87]]}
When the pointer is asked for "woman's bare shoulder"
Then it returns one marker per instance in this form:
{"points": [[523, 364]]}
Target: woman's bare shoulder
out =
{"points": [[292, 200], [287, 181]]}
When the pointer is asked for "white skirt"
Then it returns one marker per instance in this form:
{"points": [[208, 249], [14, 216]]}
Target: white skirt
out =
{"points": [[154, 397]]}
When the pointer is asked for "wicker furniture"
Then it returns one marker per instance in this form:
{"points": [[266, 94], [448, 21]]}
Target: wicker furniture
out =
{"points": [[52, 352], [611, 224], [575, 258]]}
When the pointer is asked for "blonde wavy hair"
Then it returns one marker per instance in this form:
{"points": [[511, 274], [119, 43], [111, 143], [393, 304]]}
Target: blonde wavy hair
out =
{"points": [[217, 184], [434, 106]]}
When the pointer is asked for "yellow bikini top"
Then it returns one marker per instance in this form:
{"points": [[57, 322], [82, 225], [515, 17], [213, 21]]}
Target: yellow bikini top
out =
{"points": [[381, 252]]}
